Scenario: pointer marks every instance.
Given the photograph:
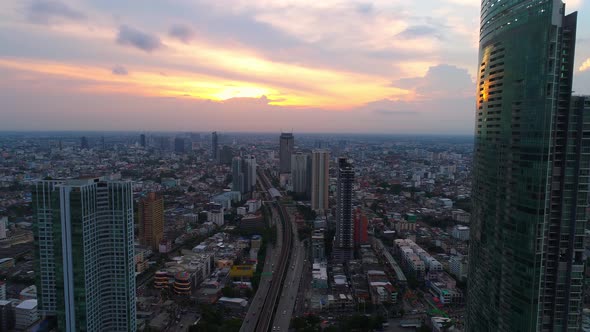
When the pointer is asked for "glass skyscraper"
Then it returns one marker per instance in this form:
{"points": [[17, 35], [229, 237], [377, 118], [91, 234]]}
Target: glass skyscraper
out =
{"points": [[84, 253], [530, 178]]}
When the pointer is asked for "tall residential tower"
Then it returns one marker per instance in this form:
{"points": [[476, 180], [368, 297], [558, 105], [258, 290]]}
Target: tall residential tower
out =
{"points": [[84, 256], [530, 178], [151, 220], [344, 241]]}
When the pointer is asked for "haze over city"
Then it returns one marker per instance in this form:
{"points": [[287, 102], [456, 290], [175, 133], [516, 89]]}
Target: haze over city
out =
{"points": [[353, 66]]}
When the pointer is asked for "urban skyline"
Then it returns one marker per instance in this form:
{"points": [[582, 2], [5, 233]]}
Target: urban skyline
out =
{"points": [[295, 166], [398, 71]]}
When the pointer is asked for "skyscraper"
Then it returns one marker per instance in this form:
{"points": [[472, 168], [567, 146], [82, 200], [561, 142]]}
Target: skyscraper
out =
{"points": [[300, 173], [344, 241], [84, 254], [84, 143], [151, 220], [214, 146], [225, 155], [179, 145], [142, 141], [530, 178], [237, 167], [286, 145], [249, 173], [320, 177]]}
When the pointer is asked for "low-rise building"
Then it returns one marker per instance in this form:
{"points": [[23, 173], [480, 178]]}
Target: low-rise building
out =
{"points": [[26, 314]]}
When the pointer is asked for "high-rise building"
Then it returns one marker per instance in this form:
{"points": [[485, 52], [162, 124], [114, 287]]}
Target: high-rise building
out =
{"points": [[343, 250], [151, 220], [225, 155], [84, 143], [84, 255], [361, 223], [214, 146], [237, 167], [301, 174], [530, 178], [142, 141], [320, 179], [179, 145], [286, 145], [249, 173]]}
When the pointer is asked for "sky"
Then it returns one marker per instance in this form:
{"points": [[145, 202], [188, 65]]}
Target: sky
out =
{"points": [[346, 66]]}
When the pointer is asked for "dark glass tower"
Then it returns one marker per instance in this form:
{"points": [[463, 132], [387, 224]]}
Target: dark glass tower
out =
{"points": [[344, 241], [530, 180], [286, 145]]}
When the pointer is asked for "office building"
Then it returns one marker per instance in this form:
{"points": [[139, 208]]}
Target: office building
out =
{"points": [[249, 173], [343, 250], [179, 145], [142, 141], [320, 177], [214, 146], [84, 255], [84, 143], [237, 168], [286, 145], [301, 174], [225, 155], [530, 178], [150, 212]]}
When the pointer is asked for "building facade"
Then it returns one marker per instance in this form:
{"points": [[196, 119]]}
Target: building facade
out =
{"points": [[530, 178], [361, 224], [237, 172], [84, 254], [320, 177], [286, 146], [344, 240], [300, 173], [249, 173], [151, 220]]}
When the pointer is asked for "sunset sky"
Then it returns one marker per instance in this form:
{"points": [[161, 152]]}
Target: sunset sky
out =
{"points": [[381, 66]]}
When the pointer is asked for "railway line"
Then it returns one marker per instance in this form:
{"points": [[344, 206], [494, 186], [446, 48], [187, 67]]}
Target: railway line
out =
{"points": [[266, 317]]}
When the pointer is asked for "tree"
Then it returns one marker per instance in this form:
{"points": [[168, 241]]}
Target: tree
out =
{"points": [[228, 291]]}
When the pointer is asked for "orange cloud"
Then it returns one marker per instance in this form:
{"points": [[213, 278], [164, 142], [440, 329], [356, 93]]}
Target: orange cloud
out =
{"points": [[585, 65], [327, 89]]}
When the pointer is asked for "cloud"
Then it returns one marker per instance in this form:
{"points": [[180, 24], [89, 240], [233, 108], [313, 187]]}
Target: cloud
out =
{"points": [[364, 8], [420, 31], [130, 36], [51, 11], [120, 70], [182, 32], [585, 65], [441, 81]]}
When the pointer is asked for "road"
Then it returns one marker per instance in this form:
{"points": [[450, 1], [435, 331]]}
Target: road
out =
{"points": [[271, 260], [290, 289], [262, 310]]}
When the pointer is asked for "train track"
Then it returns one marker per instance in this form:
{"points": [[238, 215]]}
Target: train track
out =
{"points": [[269, 307]]}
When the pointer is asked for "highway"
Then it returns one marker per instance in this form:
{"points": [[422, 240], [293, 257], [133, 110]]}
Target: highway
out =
{"points": [[265, 317], [290, 289]]}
